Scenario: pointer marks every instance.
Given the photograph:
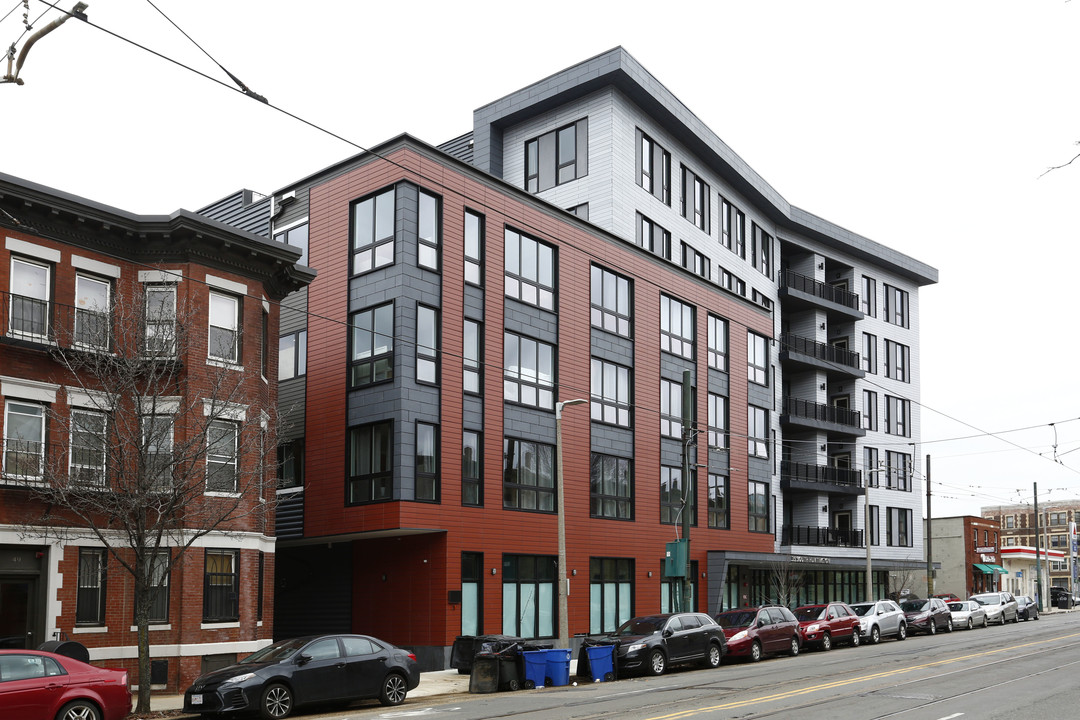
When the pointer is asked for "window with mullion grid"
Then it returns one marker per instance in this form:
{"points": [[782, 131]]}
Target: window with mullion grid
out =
{"points": [[654, 168], [222, 439], [530, 270], [718, 343], [758, 506], [427, 345], [31, 290], [474, 248], [718, 502], [610, 393], [92, 308], [671, 496], [370, 463], [676, 327], [611, 487], [90, 598], [653, 238], [757, 359], [670, 408], [472, 350], [610, 298], [86, 461], [427, 462], [429, 231], [528, 475], [718, 421], [221, 586], [371, 355], [472, 466], [528, 371], [373, 232], [897, 361]]}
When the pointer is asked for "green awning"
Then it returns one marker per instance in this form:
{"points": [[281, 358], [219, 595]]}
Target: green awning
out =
{"points": [[997, 568], [984, 569]]}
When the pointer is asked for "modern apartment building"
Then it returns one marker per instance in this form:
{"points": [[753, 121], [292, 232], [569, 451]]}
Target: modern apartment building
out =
{"points": [[589, 239], [124, 340], [1049, 539]]}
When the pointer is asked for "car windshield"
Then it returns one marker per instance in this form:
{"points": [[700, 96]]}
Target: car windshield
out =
{"points": [[915, 605], [862, 609], [736, 618], [988, 599], [958, 606], [640, 626], [278, 651], [811, 613]]}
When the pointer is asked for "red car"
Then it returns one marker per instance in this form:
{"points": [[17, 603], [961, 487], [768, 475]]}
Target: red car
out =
{"points": [[752, 632], [826, 625], [36, 685]]}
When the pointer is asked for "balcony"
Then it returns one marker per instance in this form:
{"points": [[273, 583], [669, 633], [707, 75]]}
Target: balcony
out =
{"points": [[819, 416], [821, 536], [819, 355], [808, 292], [820, 478]]}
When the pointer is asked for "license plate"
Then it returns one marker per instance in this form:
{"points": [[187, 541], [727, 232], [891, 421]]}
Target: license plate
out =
{"points": [[196, 699]]}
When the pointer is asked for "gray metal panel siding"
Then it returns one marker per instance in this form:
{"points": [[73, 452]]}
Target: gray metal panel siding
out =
{"points": [[472, 412], [292, 396], [528, 320], [672, 367], [242, 211], [293, 313], [474, 303], [460, 147], [670, 451], [289, 515], [759, 395], [527, 423], [612, 440], [613, 348], [719, 383]]}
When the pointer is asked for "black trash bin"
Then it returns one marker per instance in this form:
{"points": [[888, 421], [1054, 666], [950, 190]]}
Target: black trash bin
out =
{"points": [[484, 677], [510, 670], [67, 648], [1064, 602], [466, 647]]}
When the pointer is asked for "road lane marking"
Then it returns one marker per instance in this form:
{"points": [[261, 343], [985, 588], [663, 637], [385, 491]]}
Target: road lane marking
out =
{"points": [[951, 717]]}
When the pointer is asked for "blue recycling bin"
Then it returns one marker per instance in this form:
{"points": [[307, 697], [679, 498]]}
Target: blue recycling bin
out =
{"points": [[601, 662], [558, 666], [535, 668]]}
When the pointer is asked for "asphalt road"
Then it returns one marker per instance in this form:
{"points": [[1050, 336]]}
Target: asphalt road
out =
{"points": [[1017, 671]]}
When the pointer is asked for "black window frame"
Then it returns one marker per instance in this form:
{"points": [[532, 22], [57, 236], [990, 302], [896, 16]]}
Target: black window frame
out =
{"points": [[868, 297], [221, 605], [601, 400], [897, 416], [718, 342], [426, 479], [696, 262], [376, 243], [719, 502], [676, 341], [516, 282], [474, 257], [897, 361], [607, 574], [472, 357], [544, 162], [897, 306], [757, 358], [469, 478], [870, 354], [670, 507], [649, 152], [361, 487], [428, 357], [522, 379], [302, 239], [425, 244], [695, 205], [297, 365], [512, 485], [603, 503], [653, 237], [374, 360], [290, 457], [757, 445], [619, 319], [718, 433], [758, 518], [91, 599], [869, 410], [671, 419]]}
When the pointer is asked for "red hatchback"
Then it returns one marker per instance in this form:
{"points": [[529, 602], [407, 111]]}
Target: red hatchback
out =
{"points": [[36, 685], [752, 632], [826, 625]]}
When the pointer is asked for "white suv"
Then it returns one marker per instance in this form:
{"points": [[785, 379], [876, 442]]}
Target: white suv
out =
{"points": [[881, 618]]}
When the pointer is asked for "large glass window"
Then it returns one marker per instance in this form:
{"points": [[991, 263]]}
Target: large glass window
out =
{"points": [[653, 238], [528, 588], [869, 355], [718, 421], [757, 431], [224, 340], [372, 352], [696, 262], [292, 355], [557, 156], [611, 591], [610, 299], [758, 504], [897, 470], [672, 502], [529, 371], [86, 457], [373, 232], [528, 475], [297, 236], [670, 408], [30, 291], [718, 343], [610, 393], [159, 587], [222, 437], [221, 586], [868, 298], [530, 270], [757, 358], [718, 502], [474, 248], [761, 250], [157, 437], [871, 466], [24, 439], [427, 344], [896, 306], [611, 486], [371, 476], [92, 307], [472, 467], [427, 462], [695, 199], [160, 320], [90, 599], [654, 168], [429, 231], [676, 327], [472, 593], [898, 527], [869, 410], [291, 464], [472, 349], [897, 361], [897, 416]]}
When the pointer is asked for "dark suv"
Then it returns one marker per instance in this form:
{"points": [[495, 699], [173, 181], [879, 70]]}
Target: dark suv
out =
{"points": [[752, 632], [927, 616]]}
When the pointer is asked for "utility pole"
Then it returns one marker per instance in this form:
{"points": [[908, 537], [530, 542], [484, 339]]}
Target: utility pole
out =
{"points": [[929, 536], [687, 497], [1038, 562]]}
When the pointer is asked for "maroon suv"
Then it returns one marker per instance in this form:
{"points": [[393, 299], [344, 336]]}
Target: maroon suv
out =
{"points": [[752, 632], [825, 625]]}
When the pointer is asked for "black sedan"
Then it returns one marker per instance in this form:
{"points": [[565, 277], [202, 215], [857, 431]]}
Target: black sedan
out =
{"points": [[307, 670], [927, 616], [652, 643], [1026, 608]]}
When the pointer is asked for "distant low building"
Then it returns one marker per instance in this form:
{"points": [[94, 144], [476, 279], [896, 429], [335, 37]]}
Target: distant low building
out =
{"points": [[1055, 535], [967, 549]]}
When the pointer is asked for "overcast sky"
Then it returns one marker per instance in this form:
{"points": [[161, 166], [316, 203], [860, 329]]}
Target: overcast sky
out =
{"points": [[922, 125]]}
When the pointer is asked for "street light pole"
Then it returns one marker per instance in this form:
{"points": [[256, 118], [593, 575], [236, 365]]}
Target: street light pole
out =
{"points": [[564, 579]]}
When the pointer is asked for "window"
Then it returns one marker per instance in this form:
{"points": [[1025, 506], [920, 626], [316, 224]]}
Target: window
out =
{"points": [[427, 462], [718, 343], [732, 282], [718, 416], [474, 248], [653, 238], [695, 262], [471, 355], [429, 231], [758, 506], [896, 306], [897, 361], [761, 299], [654, 168], [875, 526], [757, 430], [757, 358], [898, 527], [610, 593], [291, 464], [528, 475], [90, 600], [530, 270], [30, 290], [582, 211], [86, 459], [695, 199], [472, 466], [472, 593], [610, 393], [610, 298], [869, 410], [159, 587], [160, 320], [221, 457], [727, 217], [739, 230], [264, 346], [157, 438], [611, 487], [292, 355], [557, 157], [670, 408], [871, 466], [427, 344], [221, 586], [1010, 522], [869, 355], [224, 339], [868, 298], [897, 416], [371, 476], [373, 232], [24, 440], [529, 374], [671, 590], [92, 305], [372, 353], [671, 496], [718, 502], [676, 327], [296, 236], [1058, 518], [761, 250], [528, 589], [897, 470]]}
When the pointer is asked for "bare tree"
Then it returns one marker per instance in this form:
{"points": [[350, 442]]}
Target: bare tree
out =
{"points": [[155, 446], [786, 579], [903, 581]]}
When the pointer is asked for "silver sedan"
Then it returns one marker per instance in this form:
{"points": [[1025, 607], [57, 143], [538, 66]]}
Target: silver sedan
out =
{"points": [[967, 614]]}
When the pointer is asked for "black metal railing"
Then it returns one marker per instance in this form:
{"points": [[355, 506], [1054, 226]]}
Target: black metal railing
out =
{"points": [[45, 322], [821, 290], [795, 407], [824, 474], [821, 536], [819, 350]]}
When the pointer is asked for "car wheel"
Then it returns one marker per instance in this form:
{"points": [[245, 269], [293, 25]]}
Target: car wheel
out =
{"points": [[986, 623], [277, 702], [755, 651], [875, 635], [901, 634], [1036, 614], [948, 625], [657, 662], [794, 650], [933, 627], [855, 638], [970, 624], [713, 655], [826, 642], [1016, 618], [394, 689], [79, 710]]}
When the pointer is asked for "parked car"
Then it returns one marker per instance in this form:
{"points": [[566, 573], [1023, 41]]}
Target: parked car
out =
{"points": [[1000, 607], [947, 597], [305, 670], [37, 685], [753, 632], [1026, 608], [826, 625], [927, 616], [880, 619], [652, 643], [967, 614]]}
